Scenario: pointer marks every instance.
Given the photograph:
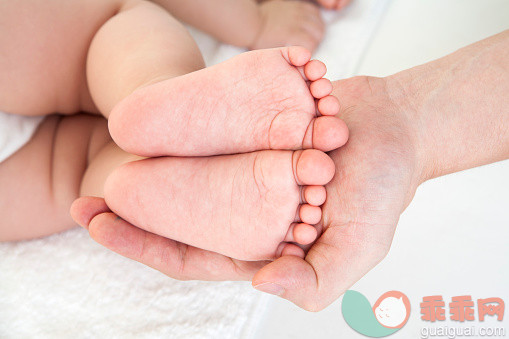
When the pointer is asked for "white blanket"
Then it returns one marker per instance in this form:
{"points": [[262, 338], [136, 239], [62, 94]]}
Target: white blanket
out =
{"points": [[67, 286]]}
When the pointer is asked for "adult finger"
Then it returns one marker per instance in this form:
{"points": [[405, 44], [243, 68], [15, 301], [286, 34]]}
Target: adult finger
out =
{"points": [[170, 257]]}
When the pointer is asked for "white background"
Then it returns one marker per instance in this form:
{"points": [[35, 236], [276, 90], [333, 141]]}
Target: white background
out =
{"points": [[453, 238]]}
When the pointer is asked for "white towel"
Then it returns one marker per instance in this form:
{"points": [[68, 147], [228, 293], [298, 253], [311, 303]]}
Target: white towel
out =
{"points": [[67, 286], [15, 131]]}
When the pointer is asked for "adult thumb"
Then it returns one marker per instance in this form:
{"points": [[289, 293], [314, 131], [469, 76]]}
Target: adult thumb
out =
{"points": [[335, 262]]}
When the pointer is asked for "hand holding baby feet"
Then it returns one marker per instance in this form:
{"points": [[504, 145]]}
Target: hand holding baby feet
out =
{"points": [[245, 206], [259, 100], [287, 23]]}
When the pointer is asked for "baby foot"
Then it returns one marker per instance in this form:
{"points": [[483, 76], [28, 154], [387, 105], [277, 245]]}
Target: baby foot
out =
{"points": [[245, 206], [259, 100], [334, 4], [289, 23]]}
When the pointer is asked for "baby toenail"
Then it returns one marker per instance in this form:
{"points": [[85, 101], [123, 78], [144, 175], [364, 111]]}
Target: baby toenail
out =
{"points": [[270, 288]]}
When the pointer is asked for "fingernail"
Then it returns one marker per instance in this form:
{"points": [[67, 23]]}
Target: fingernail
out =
{"points": [[270, 288]]}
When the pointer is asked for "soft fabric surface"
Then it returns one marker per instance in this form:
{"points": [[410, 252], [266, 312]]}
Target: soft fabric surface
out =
{"points": [[15, 131], [66, 285]]}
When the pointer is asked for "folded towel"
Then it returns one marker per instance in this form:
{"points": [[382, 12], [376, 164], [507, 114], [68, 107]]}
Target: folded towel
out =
{"points": [[66, 285]]}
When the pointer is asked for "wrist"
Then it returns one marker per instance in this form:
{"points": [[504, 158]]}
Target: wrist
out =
{"points": [[456, 107], [404, 90]]}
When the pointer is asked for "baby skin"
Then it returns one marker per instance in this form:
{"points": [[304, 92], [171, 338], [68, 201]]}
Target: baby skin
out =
{"points": [[132, 62]]}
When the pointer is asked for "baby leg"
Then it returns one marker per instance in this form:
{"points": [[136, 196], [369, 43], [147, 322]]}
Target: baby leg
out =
{"points": [[39, 182], [44, 49], [52, 47], [140, 45]]}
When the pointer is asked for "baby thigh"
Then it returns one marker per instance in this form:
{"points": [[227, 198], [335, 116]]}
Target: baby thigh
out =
{"points": [[39, 182], [44, 47], [142, 44]]}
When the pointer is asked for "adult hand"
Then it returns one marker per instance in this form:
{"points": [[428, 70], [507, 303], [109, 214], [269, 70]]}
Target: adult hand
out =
{"points": [[438, 118], [376, 177]]}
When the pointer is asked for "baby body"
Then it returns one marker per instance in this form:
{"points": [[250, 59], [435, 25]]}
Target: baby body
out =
{"points": [[231, 175]]}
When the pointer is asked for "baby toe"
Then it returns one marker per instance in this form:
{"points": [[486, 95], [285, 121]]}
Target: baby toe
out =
{"points": [[304, 234], [328, 105], [312, 167], [315, 70], [320, 88], [296, 55], [290, 249], [341, 4], [329, 133], [314, 195], [310, 214]]}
